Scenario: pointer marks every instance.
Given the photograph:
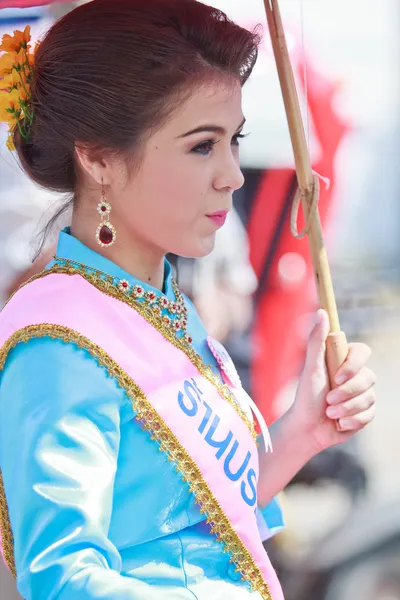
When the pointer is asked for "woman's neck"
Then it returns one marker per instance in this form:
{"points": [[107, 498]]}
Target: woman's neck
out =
{"points": [[140, 260]]}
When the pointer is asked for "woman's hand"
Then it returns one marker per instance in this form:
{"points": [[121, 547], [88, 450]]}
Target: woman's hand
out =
{"points": [[310, 425], [316, 410]]}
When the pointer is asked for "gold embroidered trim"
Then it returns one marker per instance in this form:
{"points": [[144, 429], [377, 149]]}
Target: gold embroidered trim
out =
{"points": [[5, 530], [168, 443], [104, 283]]}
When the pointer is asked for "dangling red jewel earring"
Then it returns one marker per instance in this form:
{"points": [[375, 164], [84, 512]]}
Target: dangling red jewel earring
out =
{"points": [[106, 233]]}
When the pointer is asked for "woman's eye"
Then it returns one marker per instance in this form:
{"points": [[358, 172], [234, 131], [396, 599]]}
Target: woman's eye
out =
{"points": [[236, 138], [204, 148]]}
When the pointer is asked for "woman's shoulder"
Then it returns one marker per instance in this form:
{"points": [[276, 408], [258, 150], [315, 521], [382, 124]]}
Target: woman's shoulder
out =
{"points": [[55, 369], [50, 312], [49, 381], [45, 359], [43, 354]]}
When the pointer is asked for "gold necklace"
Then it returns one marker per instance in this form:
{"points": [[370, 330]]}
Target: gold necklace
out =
{"points": [[172, 313]]}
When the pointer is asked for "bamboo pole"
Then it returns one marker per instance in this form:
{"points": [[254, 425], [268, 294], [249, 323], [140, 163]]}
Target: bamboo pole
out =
{"points": [[336, 348]]}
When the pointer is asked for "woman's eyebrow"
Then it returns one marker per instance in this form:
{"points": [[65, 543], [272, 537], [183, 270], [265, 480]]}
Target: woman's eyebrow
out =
{"points": [[209, 128]]}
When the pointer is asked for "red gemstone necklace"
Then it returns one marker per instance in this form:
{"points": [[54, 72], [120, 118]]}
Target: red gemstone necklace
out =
{"points": [[172, 313]]}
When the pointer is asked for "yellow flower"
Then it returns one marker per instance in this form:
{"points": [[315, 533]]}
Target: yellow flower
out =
{"points": [[31, 59], [21, 61], [19, 40], [10, 143], [16, 73], [14, 62], [7, 63], [10, 81], [4, 105], [14, 98], [10, 107]]}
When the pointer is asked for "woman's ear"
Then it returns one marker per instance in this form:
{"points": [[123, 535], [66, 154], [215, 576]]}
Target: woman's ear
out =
{"points": [[95, 163]]}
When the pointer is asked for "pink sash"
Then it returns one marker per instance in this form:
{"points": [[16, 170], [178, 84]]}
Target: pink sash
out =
{"points": [[211, 432]]}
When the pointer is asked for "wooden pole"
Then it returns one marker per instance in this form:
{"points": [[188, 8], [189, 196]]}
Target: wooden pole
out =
{"points": [[337, 349]]}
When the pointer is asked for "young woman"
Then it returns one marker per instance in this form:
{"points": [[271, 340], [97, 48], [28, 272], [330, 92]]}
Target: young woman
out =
{"points": [[129, 459]]}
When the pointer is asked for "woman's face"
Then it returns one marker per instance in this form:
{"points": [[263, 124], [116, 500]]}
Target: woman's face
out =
{"points": [[177, 200]]}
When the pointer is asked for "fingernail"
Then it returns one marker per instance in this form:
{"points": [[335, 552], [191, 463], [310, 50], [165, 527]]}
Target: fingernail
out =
{"points": [[346, 423], [341, 379], [332, 398], [333, 412]]}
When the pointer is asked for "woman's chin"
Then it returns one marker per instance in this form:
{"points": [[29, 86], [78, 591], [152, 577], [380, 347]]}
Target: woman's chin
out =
{"points": [[203, 247]]}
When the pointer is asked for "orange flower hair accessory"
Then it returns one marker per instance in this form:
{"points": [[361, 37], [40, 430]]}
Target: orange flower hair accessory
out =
{"points": [[16, 74]]}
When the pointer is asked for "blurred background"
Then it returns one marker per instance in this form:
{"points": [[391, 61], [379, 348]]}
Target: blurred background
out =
{"points": [[342, 539]]}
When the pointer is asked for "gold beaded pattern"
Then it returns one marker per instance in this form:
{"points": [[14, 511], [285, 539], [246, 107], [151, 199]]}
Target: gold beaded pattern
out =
{"points": [[168, 443], [154, 315]]}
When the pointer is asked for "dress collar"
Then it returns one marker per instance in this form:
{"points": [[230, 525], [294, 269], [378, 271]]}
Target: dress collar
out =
{"points": [[70, 248]]}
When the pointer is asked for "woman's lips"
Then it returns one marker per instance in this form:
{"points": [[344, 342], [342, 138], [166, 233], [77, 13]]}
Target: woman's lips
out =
{"points": [[219, 217]]}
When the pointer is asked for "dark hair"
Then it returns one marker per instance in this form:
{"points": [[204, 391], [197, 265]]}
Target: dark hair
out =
{"points": [[106, 72]]}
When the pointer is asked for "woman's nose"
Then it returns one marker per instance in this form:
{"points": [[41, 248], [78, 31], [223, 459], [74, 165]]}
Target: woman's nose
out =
{"points": [[230, 176]]}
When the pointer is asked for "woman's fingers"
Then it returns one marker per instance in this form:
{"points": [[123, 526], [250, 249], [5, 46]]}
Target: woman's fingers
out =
{"points": [[361, 382], [352, 407], [355, 361], [359, 421]]}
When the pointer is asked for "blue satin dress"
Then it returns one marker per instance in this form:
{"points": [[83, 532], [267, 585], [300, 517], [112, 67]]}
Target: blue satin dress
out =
{"points": [[97, 511]]}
